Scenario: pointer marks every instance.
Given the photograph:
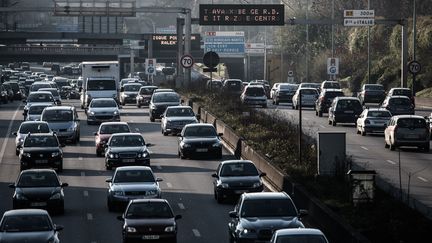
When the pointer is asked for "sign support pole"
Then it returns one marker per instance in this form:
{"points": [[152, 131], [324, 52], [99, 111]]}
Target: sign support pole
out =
{"points": [[188, 30], [404, 56], [180, 24]]}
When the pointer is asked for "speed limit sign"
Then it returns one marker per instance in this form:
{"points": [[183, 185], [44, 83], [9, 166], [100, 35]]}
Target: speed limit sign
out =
{"points": [[187, 61], [414, 67]]}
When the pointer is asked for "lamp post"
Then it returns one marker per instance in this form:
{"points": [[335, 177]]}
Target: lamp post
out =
{"points": [[368, 48], [414, 44]]}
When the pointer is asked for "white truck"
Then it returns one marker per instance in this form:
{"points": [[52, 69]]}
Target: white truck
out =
{"points": [[100, 80]]}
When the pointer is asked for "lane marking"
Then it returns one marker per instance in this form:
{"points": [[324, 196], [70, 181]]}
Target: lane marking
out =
{"points": [[137, 129], [364, 148], [159, 167], [306, 119], [422, 179], [89, 216], [82, 173], [169, 185], [391, 162], [181, 206], [85, 193], [196, 233], [80, 158], [3, 149], [322, 126]]}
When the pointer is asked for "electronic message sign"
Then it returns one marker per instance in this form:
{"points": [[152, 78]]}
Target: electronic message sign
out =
{"points": [[240, 14], [169, 42]]}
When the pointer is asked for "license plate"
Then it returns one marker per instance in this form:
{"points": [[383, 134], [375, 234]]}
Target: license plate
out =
{"points": [[38, 204], [201, 150], [41, 161], [128, 160], [150, 237], [348, 112]]}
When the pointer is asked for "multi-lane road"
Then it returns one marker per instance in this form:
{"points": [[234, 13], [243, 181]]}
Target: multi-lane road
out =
{"points": [[187, 184]]}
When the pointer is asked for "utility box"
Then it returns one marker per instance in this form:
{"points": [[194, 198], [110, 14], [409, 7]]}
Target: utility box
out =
{"points": [[362, 186], [331, 153]]}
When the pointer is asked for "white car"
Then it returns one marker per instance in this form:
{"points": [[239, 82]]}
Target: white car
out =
{"points": [[254, 94], [298, 235], [407, 130], [273, 89], [373, 120], [308, 98], [175, 118], [102, 110]]}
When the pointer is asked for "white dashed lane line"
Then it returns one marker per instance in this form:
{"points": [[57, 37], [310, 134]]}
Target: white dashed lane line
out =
{"points": [[181, 206], [85, 193], [196, 233], [322, 126], [422, 179], [391, 162], [137, 129], [80, 158], [169, 185], [89, 216], [364, 148], [159, 167], [82, 173]]}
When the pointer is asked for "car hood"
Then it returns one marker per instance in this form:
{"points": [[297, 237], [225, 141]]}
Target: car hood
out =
{"points": [[139, 186], [60, 125], [127, 149], [150, 222], [240, 179], [130, 92], [26, 237], [200, 139], [271, 222], [40, 149], [102, 109], [181, 118], [166, 103], [37, 192]]}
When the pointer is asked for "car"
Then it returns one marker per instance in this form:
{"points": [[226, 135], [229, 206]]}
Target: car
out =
{"points": [[407, 130], [4, 97], [430, 124], [344, 110], [264, 83], [28, 225], [160, 101], [102, 110], [38, 97], [149, 220], [126, 149], [29, 127], [214, 84], [402, 91], [175, 118], [284, 93], [129, 93], [39, 188], [371, 93], [308, 98], [158, 90], [254, 95], [235, 177], [40, 151], [64, 121], [144, 95], [257, 215], [65, 92], [372, 120], [316, 86], [35, 111], [273, 89], [127, 80], [38, 85], [55, 94], [232, 87], [398, 105], [325, 99], [330, 85], [298, 235], [15, 88], [106, 129], [10, 92], [131, 182], [199, 139]]}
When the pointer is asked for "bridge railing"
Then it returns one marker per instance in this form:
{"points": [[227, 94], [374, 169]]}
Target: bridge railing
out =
{"points": [[69, 50]]}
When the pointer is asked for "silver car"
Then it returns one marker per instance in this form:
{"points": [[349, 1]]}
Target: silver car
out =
{"points": [[308, 98], [298, 235], [175, 118], [102, 110], [38, 97], [407, 130], [373, 120], [55, 94], [29, 127], [64, 121], [131, 182], [35, 111]]}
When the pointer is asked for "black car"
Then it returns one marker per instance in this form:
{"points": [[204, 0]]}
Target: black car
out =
{"points": [[15, 89], [257, 216], [344, 110], [325, 99], [199, 139], [403, 92], [235, 177], [149, 220], [3, 94], [126, 149], [39, 188], [160, 101], [398, 105], [144, 95], [41, 150], [28, 225], [10, 92], [371, 93], [284, 93]]}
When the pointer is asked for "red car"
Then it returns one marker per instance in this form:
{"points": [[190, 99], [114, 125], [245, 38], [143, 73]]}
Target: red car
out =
{"points": [[106, 129]]}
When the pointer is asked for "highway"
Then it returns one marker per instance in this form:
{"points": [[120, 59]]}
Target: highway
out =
{"points": [[187, 184]]}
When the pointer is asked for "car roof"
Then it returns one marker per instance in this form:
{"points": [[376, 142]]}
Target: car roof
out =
{"points": [[37, 170], [149, 86], [408, 116], [254, 86], [178, 107], [103, 99], [64, 107], [332, 90], [34, 122], [47, 89], [114, 123], [199, 125], [28, 211], [299, 231], [377, 109], [265, 195], [40, 92], [399, 97], [346, 98], [236, 162], [41, 135], [122, 168], [143, 200], [401, 88], [127, 134], [132, 84]]}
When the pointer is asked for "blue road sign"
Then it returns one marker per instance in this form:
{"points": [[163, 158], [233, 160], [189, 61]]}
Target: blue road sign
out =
{"points": [[225, 44]]}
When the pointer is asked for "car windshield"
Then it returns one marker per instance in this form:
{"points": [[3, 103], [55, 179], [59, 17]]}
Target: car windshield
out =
{"points": [[379, 114], [268, 208], [34, 128], [165, 97], [111, 129], [103, 103], [301, 239], [132, 88], [405, 92], [234, 85], [36, 87], [108, 84], [200, 131], [38, 179], [125, 176], [287, 87], [411, 123], [331, 85], [54, 115], [40, 98], [149, 210], [36, 109], [400, 101], [333, 94], [62, 83], [239, 169], [26, 223], [54, 92], [147, 91], [40, 141], [374, 87], [349, 105], [127, 141], [179, 112], [254, 91], [309, 92]]}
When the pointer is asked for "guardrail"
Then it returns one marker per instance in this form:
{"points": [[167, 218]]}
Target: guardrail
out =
{"points": [[47, 50]]}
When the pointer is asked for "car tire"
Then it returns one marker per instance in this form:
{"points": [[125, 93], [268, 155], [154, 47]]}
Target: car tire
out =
{"points": [[123, 103], [60, 210], [219, 198], [264, 106], [386, 145], [60, 168], [363, 133], [334, 123], [165, 133], [426, 147], [139, 105], [320, 113], [392, 147], [277, 102], [219, 155], [89, 122], [152, 119], [231, 239], [108, 167], [17, 152]]}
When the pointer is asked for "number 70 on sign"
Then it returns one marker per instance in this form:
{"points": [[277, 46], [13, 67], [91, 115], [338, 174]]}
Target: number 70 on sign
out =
{"points": [[187, 61]]}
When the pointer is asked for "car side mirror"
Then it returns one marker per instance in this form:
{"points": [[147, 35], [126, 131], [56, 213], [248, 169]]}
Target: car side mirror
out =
{"points": [[303, 212], [122, 89], [220, 134], [120, 218], [178, 216], [263, 174], [11, 186], [58, 227], [23, 114], [215, 176], [64, 184], [233, 214], [15, 133], [95, 133], [159, 179], [78, 120], [109, 180]]}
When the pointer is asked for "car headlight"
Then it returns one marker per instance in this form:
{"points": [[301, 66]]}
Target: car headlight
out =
{"points": [[20, 141], [216, 145], [118, 193], [170, 229], [130, 229], [257, 184], [20, 196], [224, 185], [26, 155], [185, 145], [116, 112], [55, 154], [143, 154], [113, 156], [71, 129], [152, 107], [56, 196], [152, 192], [247, 231], [92, 113]]}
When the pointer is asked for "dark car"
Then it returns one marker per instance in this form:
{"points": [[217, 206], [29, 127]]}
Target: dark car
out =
{"points": [[398, 105], [235, 177], [144, 95], [3, 94], [402, 92], [27, 127], [160, 101], [10, 92], [344, 110], [149, 220], [16, 90], [129, 93], [232, 87], [265, 84], [39, 188], [284, 93], [41, 151], [325, 99], [126, 149], [175, 118], [257, 216], [106, 129], [199, 139], [371, 93], [28, 225]]}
